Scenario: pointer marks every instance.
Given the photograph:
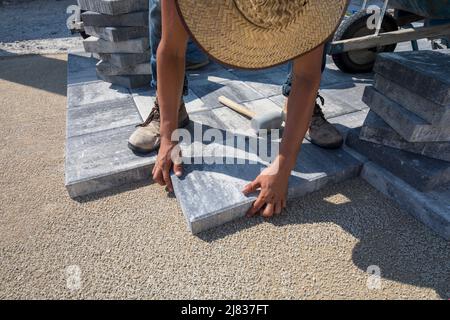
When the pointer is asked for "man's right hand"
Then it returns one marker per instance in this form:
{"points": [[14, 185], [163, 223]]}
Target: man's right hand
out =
{"points": [[169, 155]]}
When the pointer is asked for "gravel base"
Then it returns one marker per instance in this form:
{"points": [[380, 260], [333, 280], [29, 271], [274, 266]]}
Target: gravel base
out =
{"points": [[36, 27], [133, 243]]}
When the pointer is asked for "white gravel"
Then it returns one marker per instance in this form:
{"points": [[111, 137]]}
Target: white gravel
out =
{"points": [[35, 27]]}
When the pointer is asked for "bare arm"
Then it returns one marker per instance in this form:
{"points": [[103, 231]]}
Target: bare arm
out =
{"points": [[171, 63], [274, 180], [300, 104]]}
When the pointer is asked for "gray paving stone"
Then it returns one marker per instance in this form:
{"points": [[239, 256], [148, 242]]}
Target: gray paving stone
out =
{"points": [[80, 67], [431, 208], [123, 60], [376, 130], [346, 122], [423, 72], [102, 116], [266, 83], [113, 7], [102, 160], [93, 44], [411, 127], [213, 72], [209, 92], [133, 19], [109, 69], [90, 92], [127, 81], [421, 172], [333, 76], [210, 194], [426, 109], [117, 34], [345, 96]]}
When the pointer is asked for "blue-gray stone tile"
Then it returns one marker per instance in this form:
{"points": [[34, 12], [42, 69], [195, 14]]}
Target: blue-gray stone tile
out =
{"points": [[428, 110], [410, 126], [132, 19], [209, 92], [423, 173], [102, 160], [376, 130], [431, 208], [210, 194], [102, 116], [92, 92], [113, 7], [426, 73]]}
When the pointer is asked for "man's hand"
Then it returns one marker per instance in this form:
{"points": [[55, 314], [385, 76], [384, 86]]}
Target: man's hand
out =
{"points": [[273, 183], [169, 155]]}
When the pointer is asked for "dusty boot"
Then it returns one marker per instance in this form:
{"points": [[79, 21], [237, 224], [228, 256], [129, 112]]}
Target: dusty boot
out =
{"points": [[321, 132], [146, 138]]}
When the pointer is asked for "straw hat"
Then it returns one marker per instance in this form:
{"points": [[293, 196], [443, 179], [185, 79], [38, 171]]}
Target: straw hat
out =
{"points": [[256, 34]]}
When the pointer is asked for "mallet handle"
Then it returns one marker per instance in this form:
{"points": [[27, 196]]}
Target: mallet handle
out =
{"points": [[237, 107]]}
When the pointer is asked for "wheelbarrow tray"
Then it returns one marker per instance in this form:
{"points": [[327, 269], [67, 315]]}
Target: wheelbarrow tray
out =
{"points": [[435, 9]]}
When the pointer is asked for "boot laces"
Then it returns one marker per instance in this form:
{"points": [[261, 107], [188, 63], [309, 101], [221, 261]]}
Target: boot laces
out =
{"points": [[154, 115], [318, 114]]}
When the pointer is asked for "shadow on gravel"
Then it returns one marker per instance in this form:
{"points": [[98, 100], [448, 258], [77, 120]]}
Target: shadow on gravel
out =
{"points": [[37, 71], [405, 250]]}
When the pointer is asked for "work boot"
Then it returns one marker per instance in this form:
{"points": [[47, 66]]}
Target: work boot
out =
{"points": [[146, 138], [321, 132]]}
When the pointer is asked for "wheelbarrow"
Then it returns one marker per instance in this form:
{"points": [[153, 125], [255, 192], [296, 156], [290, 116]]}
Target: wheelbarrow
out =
{"points": [[361, 36]]}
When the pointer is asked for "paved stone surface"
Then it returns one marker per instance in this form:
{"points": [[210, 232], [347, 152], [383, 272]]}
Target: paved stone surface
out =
{"points": [[116, 34], [93, 44], [431, 208], [210, 194], [101, 116], [113, 7], [126, 81], [100, 119], [411, 127], [109, 69], [421, 172], [376, 130], [428, 110], [423, 72], [133, 19], [123, 60], [102, 160]]}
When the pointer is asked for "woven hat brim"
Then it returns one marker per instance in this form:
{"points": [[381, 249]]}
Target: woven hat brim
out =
{"points": [[219, 28]]}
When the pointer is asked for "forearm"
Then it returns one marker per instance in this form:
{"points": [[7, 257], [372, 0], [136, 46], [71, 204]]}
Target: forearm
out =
{"points": [[170, 87], [300, 105]]}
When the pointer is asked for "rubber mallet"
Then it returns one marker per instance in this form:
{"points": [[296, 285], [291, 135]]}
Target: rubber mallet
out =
{"points": [[268, 120]]}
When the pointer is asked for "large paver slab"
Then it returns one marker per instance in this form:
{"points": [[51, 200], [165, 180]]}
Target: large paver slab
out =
{"points": [[102, 160], [101, 116], [133, 19], [210, 193], [97, 45], [126, 81], [423, 72], [431, 208], [410, 126], [428, 110], [109, 69], [376, 130], [117, 34], [421, 172], [209, 92], [113, 7], [123, 60], [100, 119]]}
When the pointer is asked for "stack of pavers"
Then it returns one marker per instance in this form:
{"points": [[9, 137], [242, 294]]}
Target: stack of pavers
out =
{"points": [[119, 38], [407, 132]]}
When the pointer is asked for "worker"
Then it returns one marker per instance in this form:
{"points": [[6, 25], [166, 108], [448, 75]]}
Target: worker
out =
{"points": [[242, 34]]}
